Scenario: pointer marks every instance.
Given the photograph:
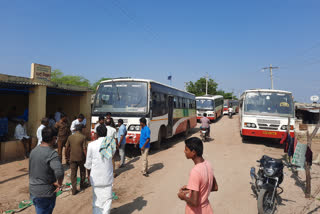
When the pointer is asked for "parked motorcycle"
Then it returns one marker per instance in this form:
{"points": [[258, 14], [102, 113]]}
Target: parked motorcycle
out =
{"points": [[204, 133], [265, 183]]}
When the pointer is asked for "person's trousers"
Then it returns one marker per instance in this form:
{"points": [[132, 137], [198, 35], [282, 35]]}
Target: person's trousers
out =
{"points": [[44, 205], [144, 157], [102, 199], [122, 152], [26, 143], [74, 165], [61, 143]]}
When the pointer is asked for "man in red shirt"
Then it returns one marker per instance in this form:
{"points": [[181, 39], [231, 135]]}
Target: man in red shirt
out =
{"points": [[205, 123]]}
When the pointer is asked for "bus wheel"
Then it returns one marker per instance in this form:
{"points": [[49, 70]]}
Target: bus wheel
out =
{"points": [[161, 137], [187, 132]]}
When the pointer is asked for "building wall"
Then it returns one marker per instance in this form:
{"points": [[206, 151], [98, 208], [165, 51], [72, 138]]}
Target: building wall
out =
{"points": [[18, 100], [72, 106], [37, 108], [69, 105]]}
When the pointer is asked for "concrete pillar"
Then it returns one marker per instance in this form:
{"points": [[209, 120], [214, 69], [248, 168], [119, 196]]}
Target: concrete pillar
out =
{"points": [[85, 109], [37, 108]]}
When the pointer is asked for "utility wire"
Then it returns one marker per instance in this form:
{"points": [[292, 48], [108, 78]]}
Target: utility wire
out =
{"points": [[133, 19]]}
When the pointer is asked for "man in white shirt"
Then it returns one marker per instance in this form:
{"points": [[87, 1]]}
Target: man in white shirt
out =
{"points": [[100, 122], [79, 120], [112, 132], [44, 123], [20, 133], [100, 174]]}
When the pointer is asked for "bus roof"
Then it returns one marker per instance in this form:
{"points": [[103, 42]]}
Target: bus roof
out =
{"points": [[266, 90], [143, 80], [210, 97]]}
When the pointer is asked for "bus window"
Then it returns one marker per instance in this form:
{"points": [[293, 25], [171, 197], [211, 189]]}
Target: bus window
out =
{"points": [[175, 102], [163, 105], [179, 102], [183, 103], [156, 102]]}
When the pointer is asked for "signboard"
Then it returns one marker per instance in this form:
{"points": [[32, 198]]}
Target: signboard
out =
{"points": [[40, 72], [299, 155]]}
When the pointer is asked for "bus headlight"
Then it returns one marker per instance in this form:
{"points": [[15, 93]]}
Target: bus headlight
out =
{"points": [[134, 128], [284, 127], [250, 125]]}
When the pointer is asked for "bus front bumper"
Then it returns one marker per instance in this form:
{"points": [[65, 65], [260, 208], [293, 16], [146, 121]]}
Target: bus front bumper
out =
{"points": [[265, 133], [132, 138]]}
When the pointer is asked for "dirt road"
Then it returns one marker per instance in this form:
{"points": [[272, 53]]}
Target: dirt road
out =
{"points": [[169, 169]]}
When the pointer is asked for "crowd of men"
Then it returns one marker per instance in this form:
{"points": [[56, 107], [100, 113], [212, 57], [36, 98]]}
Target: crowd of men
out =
{"points": [[96, 159]]}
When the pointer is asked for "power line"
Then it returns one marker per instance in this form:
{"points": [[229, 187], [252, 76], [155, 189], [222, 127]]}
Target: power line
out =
{"points": [[133, 19]]}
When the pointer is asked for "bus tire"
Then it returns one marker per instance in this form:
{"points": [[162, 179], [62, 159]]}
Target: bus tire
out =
{"points": [[187, 132], [161, 137]]}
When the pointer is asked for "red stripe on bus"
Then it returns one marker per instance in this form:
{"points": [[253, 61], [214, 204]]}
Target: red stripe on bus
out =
{"points": [[264, 133], [210, 118]]}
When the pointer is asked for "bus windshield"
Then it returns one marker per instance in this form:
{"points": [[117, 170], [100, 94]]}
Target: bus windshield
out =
{"points": [[269, 103], [121, 97], [205, 104]]}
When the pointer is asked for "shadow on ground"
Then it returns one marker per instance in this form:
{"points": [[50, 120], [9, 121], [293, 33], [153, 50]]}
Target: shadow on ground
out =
{"points": [[128, 165], [298, 181], [268, 142], [136, 205], [315, 210], [155, 167]]}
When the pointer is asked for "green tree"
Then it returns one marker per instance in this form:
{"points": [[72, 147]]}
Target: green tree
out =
{"points": [[58, 77], [199, 87], [95, 85]]}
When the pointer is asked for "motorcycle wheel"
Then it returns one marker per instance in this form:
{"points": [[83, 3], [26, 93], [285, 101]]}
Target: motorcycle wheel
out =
{"points": [[265, 206]]}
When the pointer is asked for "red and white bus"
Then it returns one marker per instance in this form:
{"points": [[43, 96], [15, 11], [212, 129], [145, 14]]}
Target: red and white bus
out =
{"points": [[169, 111], [265, 113], [233, 103], [210, 104]]}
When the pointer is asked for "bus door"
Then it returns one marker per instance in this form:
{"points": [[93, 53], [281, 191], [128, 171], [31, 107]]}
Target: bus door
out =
{"points": [[170, 115]]}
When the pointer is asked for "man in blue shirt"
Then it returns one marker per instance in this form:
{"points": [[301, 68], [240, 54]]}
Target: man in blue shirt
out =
{"points": [[122, 141], [144, 145]]}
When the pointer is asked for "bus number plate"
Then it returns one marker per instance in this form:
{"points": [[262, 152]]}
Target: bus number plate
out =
{"points": [[270, 133]]}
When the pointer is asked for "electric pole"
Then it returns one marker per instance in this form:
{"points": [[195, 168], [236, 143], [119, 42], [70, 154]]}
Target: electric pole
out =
{"points": [[271, 77], [207, 76]]}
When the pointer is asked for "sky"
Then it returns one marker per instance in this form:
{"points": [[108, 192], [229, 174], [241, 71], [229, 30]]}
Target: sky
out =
{"points": [[230, 40]]}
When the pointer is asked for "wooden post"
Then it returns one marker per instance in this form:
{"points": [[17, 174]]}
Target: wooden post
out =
{"points": [[288, 132], [307, 165]]}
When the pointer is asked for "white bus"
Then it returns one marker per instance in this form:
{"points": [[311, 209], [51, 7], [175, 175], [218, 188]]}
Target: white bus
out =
{"points": [[265, 113], [169, 111], [210, 104]]}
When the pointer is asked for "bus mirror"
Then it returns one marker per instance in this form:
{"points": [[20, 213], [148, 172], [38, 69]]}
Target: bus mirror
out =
{"points": [[150, 114]]}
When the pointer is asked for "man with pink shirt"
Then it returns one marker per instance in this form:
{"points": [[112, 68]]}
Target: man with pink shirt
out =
{"points": [[205, 123], [201, 180]]}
